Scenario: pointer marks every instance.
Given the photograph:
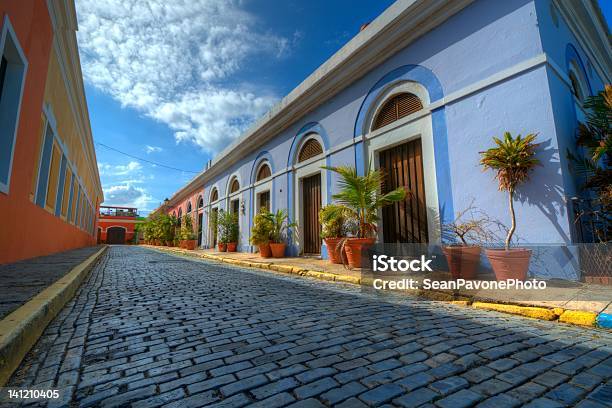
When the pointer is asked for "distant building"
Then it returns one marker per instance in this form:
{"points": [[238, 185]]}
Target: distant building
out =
{"points": [[419, 93], [49, 183], [117, 225], [187, 201]]}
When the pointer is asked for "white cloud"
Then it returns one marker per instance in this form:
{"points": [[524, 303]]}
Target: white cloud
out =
{"points": [[152, 149], [131, 168], [174, 61], [127, 195]]}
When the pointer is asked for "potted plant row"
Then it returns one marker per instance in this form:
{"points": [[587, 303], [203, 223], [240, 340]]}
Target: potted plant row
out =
{"points": [[188, 239], [228, 229], [271, 232], [360, 198]]}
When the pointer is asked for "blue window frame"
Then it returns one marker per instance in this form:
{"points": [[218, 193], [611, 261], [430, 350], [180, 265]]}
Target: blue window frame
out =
{"points": [[13, 67], [60, 186], [43, 171]]}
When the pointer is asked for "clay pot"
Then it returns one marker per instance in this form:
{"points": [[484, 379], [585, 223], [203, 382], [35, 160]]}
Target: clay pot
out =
{"points": [[222, 247], [278, 249], [335, 255], [190, 244], [353, 248], [509, 264], [232, 246], [462, 261], [265, 251]]}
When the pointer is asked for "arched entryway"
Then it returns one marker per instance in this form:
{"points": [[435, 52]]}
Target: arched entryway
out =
{"points": [[115, 235]]}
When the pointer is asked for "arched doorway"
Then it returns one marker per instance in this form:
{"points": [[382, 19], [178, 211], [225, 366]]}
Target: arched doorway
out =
{"points": [[115, 236]]}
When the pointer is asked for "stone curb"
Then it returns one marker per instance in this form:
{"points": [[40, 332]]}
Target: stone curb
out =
{"points": [[20, 330], [575, 317]]}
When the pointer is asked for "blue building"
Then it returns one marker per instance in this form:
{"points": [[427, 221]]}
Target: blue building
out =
{"points": [[420, 92]]}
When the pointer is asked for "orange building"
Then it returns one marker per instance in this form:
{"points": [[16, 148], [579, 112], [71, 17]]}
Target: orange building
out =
{"points": [[117, 225], [50, 188]]}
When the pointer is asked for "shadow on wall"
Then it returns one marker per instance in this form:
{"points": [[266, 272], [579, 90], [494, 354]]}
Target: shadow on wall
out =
{"points": [[542, 192]]}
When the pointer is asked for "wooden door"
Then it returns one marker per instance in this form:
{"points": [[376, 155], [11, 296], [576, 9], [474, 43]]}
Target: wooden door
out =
{"points": [[115, 236], [200, 216], [406, 221], [311, 199]]}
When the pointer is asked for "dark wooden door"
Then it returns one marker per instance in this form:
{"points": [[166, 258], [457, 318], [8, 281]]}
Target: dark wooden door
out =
{"points": [[115, 236], [406, 221], [200, 216], [311, 194]]}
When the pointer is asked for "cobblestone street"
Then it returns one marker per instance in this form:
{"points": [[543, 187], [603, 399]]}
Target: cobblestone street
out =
{"points": [[149, 329]]}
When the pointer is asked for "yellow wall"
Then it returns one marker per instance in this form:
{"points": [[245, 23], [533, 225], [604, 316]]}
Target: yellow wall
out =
{"points": [[74, 147]]}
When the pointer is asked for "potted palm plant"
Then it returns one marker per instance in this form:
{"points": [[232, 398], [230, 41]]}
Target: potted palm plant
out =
{"points": [[332, 218], [362, 198], [281, 231], [261, 231], [513, 159]]}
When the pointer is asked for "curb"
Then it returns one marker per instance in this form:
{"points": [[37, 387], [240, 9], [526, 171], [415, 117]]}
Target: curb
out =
{"points": [[575, 317], [20, 330]]}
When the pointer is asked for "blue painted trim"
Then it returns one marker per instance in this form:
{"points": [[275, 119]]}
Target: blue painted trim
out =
{"points": [[425, 77], [60, 187], [307, 129], [10, 102], [44, 168], [414, 73], [70, 200], [571, 54], [359, 158], [604, 320]]}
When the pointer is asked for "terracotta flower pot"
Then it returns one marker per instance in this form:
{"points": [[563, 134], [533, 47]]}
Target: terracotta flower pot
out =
{"points": [[222, 247], [335, 256], [190, 244], [354, 247], [278, 249], [265, 251], [232, 246], [509, 264], [462, 261]]}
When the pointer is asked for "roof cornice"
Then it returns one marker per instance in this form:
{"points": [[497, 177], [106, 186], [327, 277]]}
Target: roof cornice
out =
{"points": [[588, 26], [398, 26], [64, 20]]}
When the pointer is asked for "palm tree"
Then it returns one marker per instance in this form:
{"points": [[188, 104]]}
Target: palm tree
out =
{"points": [[596, 137], [362, 197], [512, 160]]}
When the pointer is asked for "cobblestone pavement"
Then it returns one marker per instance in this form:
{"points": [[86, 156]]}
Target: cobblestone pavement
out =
{"points": [[148, 329]]}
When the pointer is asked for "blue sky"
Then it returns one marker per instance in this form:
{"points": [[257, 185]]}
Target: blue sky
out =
{"points": [[174, 82]]}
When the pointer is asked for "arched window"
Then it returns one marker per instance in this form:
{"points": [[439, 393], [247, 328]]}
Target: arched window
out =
{"points": [[180, 216], [576, 88], [188, 207], [396, 108], [174, 214], [235, 186], [310, 149], [214, 196], [263, 172], [200, 202]]}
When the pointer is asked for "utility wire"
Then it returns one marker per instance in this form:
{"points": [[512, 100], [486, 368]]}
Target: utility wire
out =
{"points": [[145, 160]]}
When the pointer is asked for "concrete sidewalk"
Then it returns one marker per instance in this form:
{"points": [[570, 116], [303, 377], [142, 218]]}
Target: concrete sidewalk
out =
{"points": [[21, 281], [575, 302]]}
